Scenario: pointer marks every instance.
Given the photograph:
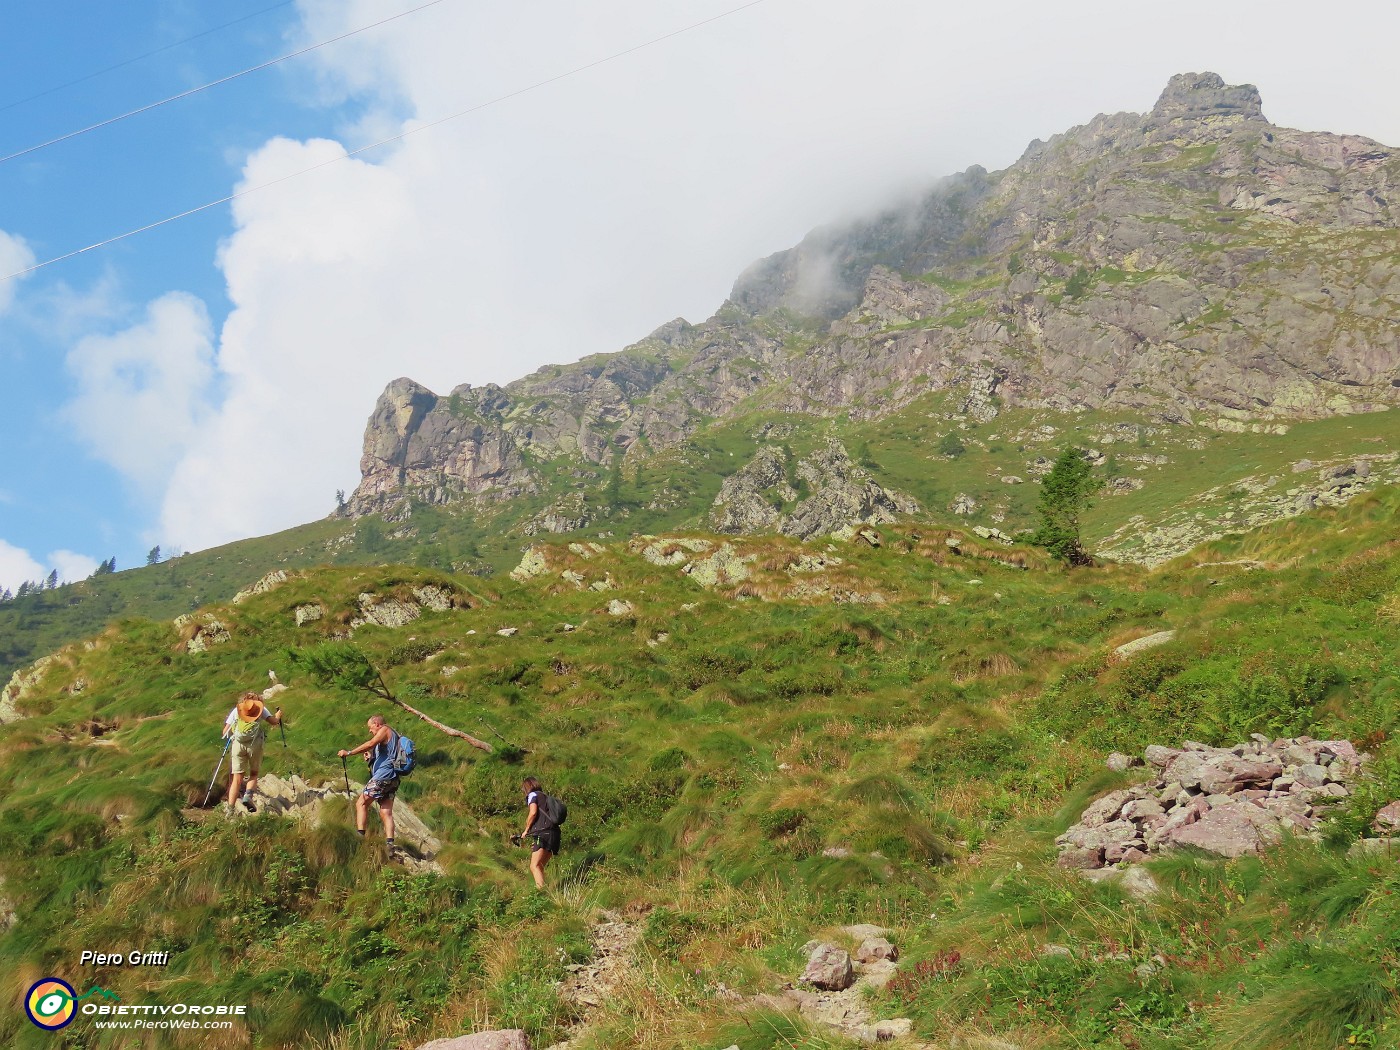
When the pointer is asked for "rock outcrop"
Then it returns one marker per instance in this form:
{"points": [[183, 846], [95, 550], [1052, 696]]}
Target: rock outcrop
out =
{"points": [[1226, 801], [391, 611], [1257, 500], [293, 797], [1138, 645], [829, 968], [439, 449], [1195, 263], [21, 684], [271, 581], [835, 494], [199, 633]]}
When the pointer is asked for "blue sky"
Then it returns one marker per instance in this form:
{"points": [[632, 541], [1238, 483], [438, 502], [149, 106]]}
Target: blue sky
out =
{"points": [[210, 380], [53, 493]]}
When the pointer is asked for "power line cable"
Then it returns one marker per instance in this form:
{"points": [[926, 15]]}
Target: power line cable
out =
{"points": [[384, 142], [213, 83], [139, 58]]}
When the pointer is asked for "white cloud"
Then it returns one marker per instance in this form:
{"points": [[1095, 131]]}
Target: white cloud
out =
{"points": [[15, 255], [72, 565], [576, 218], [142, 391], [18, 565]]}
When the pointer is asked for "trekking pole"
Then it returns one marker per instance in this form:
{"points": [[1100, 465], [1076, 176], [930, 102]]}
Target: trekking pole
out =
{"points": [[227, 742], [344, 770]]}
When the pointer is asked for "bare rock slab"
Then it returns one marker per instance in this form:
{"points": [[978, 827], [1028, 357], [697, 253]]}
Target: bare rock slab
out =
{"points": [[1138, 645]]}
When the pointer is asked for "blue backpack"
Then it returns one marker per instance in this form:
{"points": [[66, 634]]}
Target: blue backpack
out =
{"points": [[405, 755]]}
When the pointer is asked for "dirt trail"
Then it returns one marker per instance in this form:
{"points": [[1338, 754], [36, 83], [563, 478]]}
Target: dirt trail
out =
{"points": [[589, 984]]}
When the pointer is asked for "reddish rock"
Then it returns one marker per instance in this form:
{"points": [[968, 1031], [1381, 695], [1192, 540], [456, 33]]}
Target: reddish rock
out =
{"points": [[1231, 830], [1389, 817], [829, 968], [1159, 756], [1105, 809], [1119, 850], [1078, 858], [1344, 750]]}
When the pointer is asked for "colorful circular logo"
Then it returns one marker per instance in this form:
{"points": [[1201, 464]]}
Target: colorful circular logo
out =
{"points": [[50, 1003]]}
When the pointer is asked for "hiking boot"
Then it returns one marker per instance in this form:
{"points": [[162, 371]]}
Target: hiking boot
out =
{"points": [[247, 801]]}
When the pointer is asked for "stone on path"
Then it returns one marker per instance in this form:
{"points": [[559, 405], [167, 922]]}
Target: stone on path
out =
{"points": [[876, 949], [509, 1039], [829, 967], [861, 930]]}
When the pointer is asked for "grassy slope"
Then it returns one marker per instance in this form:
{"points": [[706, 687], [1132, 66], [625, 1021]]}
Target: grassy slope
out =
{"points": [[676, 488], [941, 744]]}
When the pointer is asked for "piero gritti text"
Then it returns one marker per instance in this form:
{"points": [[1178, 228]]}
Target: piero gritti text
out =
{"points": [[136, 958]]}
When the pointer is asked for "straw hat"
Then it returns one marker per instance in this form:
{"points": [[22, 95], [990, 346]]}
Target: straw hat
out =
{"points": [[250, 708]]}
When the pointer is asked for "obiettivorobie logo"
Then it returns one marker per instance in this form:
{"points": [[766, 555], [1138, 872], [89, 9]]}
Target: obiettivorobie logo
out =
{"points": [[52, 1003]]}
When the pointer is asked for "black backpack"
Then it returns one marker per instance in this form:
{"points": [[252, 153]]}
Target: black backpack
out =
{"points": [[554, 810]]}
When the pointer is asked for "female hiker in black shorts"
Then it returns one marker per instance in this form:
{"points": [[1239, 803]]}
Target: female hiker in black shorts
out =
{"points": [[541, 826]]}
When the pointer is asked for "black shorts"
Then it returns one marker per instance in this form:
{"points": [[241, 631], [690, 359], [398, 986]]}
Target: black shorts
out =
{"points": [[546, 840]]}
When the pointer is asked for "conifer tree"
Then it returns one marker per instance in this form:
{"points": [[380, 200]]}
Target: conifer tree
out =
{"points": [[1064, 496]]}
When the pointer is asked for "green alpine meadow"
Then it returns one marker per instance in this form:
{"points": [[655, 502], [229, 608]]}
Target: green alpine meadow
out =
{"points": [[983, 633]]}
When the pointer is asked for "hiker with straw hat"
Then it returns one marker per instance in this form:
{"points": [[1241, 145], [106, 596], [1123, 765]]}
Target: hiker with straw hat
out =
{"points": [[247, 725]]}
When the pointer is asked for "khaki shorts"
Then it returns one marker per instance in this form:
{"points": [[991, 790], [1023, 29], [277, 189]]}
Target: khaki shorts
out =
{"points": [[247, 758]]}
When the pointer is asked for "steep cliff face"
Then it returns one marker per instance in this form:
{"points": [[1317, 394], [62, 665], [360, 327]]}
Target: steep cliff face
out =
{"points": [[1195, 264], [437, 449]]}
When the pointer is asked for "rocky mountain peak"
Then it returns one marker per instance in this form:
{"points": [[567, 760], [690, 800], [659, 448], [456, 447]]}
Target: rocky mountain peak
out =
{"points": [[1193, 265], [1196, 96]]}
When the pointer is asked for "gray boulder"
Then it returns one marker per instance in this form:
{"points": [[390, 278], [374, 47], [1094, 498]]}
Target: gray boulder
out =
{"points": [[863, 930], [829, 968]]}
